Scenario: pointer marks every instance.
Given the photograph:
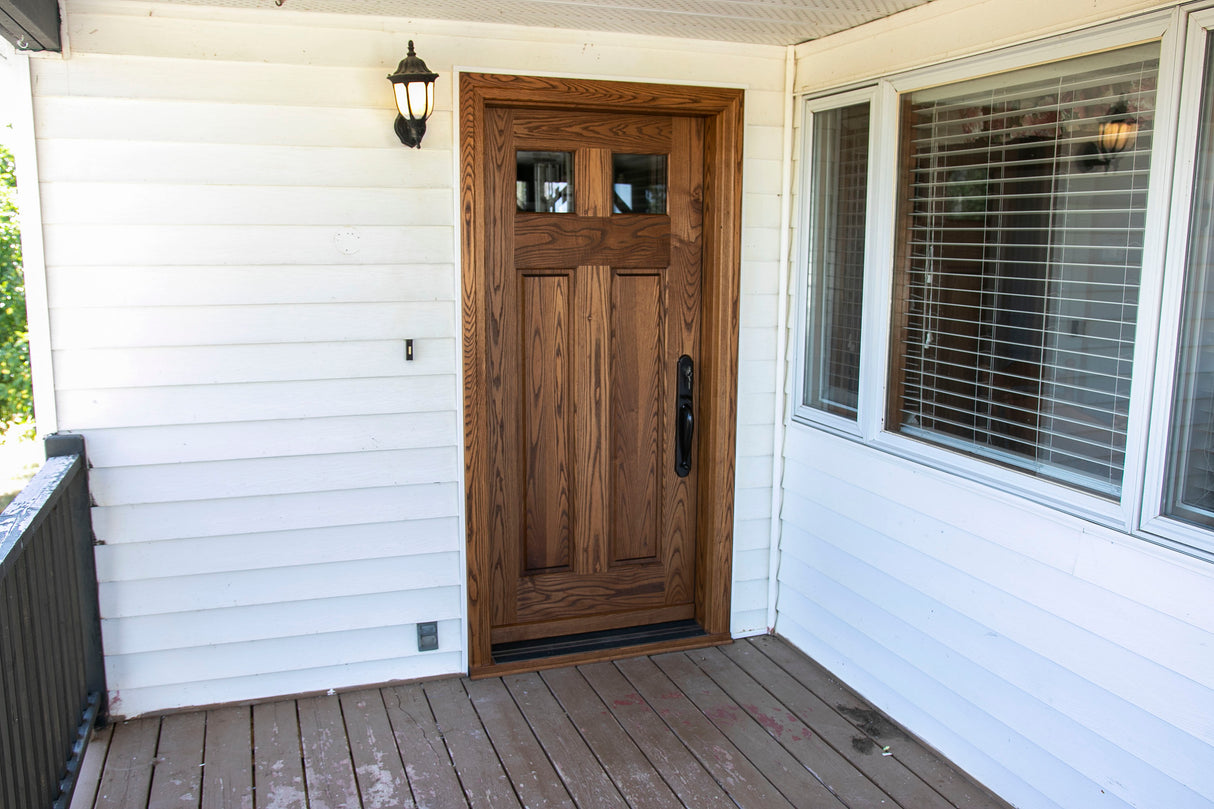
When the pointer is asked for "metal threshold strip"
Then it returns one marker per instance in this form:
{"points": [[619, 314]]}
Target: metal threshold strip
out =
{"points": [[595, 641]]}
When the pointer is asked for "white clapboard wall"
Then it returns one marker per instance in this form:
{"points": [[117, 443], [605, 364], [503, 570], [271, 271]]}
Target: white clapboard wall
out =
{"points": [[1063, 664], [237, 247]]}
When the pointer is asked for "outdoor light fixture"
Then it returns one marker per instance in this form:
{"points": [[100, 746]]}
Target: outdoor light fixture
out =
{"points": [[414, 86], [1116, 134]]}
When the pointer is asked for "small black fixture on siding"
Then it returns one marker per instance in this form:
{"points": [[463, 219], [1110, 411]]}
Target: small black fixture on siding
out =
{"points": [[414, 86]]}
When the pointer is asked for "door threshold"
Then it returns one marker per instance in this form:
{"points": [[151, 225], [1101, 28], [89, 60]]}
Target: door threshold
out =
{"points": [[596, 641], [571, 655]]}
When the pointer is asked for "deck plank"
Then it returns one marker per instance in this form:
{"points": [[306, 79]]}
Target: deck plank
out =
{"points": [[177, 778], [534, 779], [681, 770], [755, 725], [227, 778], [91, 769], [377, 764], [581, 772], [746, 784], [277, 757], [778, 719], [427, 763], [915, 761], [127, 779], [485, 783], [631, 772], [328, 769], [790, 776]]}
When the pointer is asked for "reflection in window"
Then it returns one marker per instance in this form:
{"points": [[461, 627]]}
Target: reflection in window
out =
{"points": [[837, 204], [1189, 484], [1021, 256], [639, 183], [544, 182]]}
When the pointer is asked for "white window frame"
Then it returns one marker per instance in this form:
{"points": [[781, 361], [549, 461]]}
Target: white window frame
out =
{"points": [[1122, 514], [874, 257], [1169, 530]]}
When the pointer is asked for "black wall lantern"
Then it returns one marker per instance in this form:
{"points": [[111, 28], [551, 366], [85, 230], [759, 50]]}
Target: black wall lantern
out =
{"points": [[1116, 134], [414, 86]]}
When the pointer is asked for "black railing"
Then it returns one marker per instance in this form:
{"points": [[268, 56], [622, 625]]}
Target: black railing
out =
{"points": [[52, 682]]}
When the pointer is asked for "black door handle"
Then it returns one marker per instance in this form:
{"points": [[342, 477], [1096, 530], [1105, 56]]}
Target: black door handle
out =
{"points": [[685, 420]]}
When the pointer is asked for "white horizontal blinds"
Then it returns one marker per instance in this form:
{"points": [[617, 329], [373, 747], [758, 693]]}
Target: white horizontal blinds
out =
{"points": [[1022, 248], [1189, 488], [838, 194]]}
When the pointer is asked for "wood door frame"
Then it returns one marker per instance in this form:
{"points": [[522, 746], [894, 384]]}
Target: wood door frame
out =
{"points": [[717, 366]]}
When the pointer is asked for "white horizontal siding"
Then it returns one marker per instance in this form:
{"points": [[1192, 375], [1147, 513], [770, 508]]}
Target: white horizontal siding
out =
{"points": [[970, 615], [237, 249], [94, 369], [184, 443]]}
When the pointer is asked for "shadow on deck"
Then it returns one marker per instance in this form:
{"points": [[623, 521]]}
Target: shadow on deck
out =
{"points": [[753, 725]]}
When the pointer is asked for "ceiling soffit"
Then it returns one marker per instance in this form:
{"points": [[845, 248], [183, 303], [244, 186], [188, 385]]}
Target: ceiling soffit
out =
{"points": [[763, 22]]}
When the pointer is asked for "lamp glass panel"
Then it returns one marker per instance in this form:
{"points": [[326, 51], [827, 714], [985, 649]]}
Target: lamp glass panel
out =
{"points": [[415, 99]]}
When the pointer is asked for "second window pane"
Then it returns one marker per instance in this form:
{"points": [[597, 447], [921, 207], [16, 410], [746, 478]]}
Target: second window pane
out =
{"points": [[838, 194], [639, 183]]}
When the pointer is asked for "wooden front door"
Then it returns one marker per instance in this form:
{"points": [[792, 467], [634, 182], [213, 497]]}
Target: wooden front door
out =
{"points": [[591, 308], [586, 411]]}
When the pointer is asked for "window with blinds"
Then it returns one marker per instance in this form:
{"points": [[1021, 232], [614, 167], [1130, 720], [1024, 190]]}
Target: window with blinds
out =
{"points": [[1016, 283], [837, 203], [1189, 480]]}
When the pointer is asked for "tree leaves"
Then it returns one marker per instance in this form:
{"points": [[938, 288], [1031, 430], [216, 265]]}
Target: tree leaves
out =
{"points": [[16, 397]]}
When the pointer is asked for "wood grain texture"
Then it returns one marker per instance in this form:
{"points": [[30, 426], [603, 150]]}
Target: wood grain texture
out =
{"points": [[382, 782], [579, 770], [715, 446], [683, 323], [327, 765], [491, 106], [91, 769], [593, 623], [127, 778], [679, 767], [560, 595], [637, 780], [542, 92], [277, 758], [227, 780], [177, 779], [797, 784], [551, 129], [914, 765], [567, 240], [485, 783], [432, 778], [547, 382], [702, 729], [810, 731], [749, 787], [637, 363], [472, 331], [531, 773]]}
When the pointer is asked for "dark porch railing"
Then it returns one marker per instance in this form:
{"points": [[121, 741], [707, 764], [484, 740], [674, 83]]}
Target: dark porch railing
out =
{"points": [[52, 683]]}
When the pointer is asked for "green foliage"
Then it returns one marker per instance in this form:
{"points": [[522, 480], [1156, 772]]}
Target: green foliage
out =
{"points": [[16, 396]]}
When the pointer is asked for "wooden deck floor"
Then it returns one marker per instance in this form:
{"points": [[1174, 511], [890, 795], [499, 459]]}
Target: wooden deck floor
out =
{"points": [[755, 725]]}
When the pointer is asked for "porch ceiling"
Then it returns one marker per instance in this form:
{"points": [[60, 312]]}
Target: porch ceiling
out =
{"points": [[765, 22]]}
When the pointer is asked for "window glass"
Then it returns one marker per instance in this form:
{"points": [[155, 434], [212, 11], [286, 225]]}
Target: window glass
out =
{"points": [[837, 220], [639, 183], [1189, 481], [544, 182], [1022, 213]]}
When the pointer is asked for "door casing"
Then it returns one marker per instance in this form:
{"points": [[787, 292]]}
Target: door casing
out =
{"points": [[716, 421]]}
